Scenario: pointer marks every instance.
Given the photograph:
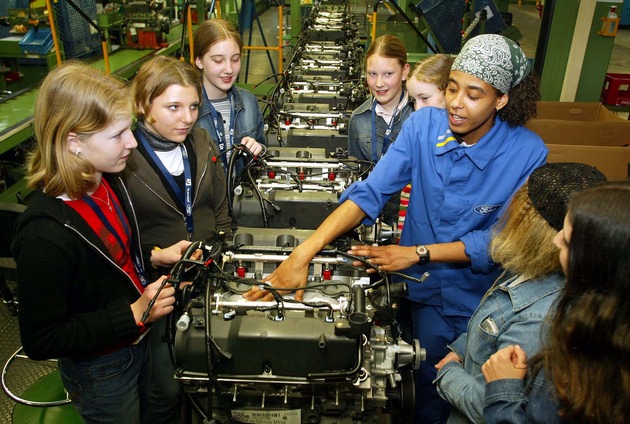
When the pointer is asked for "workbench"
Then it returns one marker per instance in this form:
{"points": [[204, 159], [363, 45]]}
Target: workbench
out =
{"points": [[16, 110]]}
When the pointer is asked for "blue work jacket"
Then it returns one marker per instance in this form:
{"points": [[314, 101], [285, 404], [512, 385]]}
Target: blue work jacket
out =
{"points": [[506, 316], [458, 194]]}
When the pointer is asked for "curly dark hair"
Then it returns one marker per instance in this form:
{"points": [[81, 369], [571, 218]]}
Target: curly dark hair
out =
{"points": [[522, 104]]}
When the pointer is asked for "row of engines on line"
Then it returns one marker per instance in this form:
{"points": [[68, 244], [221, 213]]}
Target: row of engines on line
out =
{"points": [[337, 355]]}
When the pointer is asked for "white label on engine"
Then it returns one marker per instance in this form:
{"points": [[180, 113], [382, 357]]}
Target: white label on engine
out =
{"points": [[278, 416]]}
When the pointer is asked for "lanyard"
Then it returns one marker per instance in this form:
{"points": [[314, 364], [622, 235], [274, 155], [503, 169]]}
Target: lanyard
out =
{"points": [[137, 262], [222, 141], [386, 140], [185, 199]]}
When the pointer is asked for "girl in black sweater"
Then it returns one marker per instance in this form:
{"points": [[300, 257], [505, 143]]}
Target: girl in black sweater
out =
{"points": [[81, 279]]}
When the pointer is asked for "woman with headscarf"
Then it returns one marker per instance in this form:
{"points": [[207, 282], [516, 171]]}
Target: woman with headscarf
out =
{"points": [[464, 163]]}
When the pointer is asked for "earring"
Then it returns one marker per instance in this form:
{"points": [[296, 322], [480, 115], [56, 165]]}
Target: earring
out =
{"points": [[76, 152], [451, 104]]}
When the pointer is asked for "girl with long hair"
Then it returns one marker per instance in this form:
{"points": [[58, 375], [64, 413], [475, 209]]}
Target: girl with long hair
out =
{"points": [[582, 374]]}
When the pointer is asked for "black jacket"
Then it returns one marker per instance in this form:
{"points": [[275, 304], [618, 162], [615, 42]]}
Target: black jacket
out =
{"points": [[74, 299], [161, 222]]}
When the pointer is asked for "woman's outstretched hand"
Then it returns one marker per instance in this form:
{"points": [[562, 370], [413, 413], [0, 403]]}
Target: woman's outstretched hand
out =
{"points": [[291, 274]]}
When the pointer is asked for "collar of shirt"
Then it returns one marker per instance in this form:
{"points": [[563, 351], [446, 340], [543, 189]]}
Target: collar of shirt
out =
{"points": [[482, 152], [514, 281], [387, 116]]}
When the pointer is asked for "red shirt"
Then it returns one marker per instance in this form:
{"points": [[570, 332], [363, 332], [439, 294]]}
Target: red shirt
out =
{"points": [[107, 202]]}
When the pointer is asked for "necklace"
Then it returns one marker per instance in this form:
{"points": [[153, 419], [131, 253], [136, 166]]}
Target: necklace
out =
{"points": [[108, 202]]}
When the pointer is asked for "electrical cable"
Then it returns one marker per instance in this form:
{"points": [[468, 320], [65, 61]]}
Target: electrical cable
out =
{"points": [[174, 277]]}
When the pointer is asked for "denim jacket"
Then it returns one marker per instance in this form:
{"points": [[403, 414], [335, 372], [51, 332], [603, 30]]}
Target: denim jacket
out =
{"points": [[508, 401], [248, 120], [360, 143], [505, 316], [360, 129]]}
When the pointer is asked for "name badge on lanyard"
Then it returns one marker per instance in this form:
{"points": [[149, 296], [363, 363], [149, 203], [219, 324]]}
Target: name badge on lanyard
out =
{"points": [[386, 138], [185, 198], [134, 255], [223, 142]]}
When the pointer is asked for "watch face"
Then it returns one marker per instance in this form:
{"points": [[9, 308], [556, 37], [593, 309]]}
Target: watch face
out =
{"points": [[421, 250], [423, 254]]}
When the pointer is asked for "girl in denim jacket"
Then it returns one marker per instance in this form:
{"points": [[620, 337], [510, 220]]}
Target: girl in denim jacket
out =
{"points": [[582, 374], [515, 309], [374, 125], [230, 114]]}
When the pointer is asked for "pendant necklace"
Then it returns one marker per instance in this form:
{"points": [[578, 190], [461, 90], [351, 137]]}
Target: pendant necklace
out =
{"points": [[108, 203]]}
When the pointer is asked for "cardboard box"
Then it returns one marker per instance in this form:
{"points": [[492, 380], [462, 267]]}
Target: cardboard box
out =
{"points": [[585, 132]]}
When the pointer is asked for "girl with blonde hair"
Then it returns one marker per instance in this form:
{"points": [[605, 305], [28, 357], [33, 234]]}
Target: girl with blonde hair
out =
{"points": [[515, 308], [84, 294]]}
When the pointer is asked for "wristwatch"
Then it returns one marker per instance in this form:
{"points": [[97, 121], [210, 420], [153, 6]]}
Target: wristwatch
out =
{"points": [[424, 256]]}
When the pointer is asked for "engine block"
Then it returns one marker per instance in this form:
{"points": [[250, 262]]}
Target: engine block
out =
{"points": [[293, 188], [336, 355]]}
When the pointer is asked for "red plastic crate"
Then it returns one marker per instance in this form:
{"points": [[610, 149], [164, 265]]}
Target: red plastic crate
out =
{"points": [[616, 91]]}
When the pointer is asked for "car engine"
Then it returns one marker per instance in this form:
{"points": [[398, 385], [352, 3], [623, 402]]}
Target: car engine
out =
{"points": [[336, 356]]}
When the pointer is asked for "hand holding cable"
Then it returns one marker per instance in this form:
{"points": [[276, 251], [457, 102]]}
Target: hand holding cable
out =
{"points": [[170, 255], [157, 301], [161, 292], [387, 258], [253, 146]]}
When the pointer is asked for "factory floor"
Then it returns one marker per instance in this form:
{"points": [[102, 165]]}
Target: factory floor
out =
{"points": [[25, 373]]}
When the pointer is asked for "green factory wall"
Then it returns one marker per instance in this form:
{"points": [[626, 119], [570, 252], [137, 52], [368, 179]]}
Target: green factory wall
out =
{"points": [[558, 48], [596, 57]]}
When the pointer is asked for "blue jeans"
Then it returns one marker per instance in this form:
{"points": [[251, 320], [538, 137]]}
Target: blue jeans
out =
{"points": [[165, 394], [112, 388]]}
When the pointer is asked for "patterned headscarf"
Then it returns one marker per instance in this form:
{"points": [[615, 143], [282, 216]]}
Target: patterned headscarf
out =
{"points": [[494, 59]]}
